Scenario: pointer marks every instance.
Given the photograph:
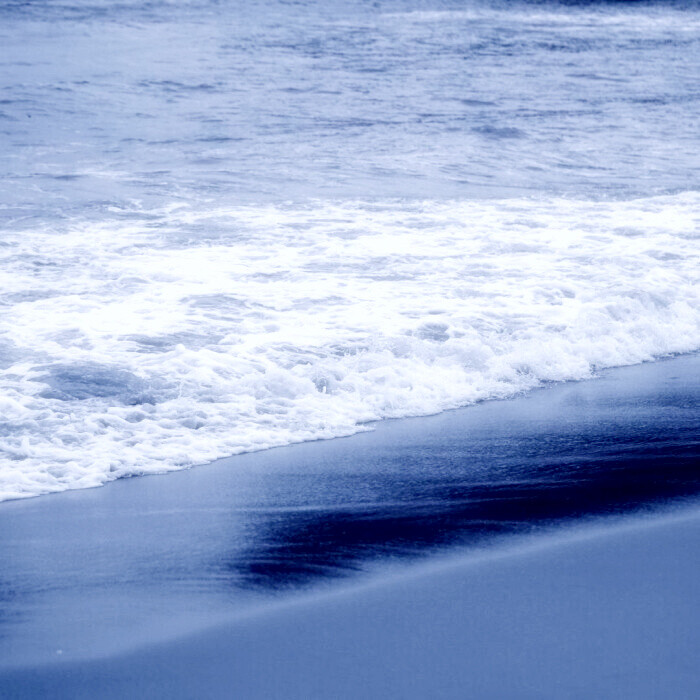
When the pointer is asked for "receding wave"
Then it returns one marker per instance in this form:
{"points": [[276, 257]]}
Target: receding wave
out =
{"points": [[157, 340]]}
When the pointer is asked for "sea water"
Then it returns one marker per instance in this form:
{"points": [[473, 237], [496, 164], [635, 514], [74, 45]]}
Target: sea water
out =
{"points": [[229, 226]]}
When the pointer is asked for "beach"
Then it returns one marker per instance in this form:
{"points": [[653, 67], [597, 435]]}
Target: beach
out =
{"points": [[258, 576], [605, 613], [349, 349]]}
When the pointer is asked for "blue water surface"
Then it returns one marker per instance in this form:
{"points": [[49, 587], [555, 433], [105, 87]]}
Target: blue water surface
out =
{"points": [[109, 103]]}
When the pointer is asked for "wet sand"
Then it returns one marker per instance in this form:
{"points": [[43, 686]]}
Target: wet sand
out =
{"points": [[597, 612], [524, 548]]}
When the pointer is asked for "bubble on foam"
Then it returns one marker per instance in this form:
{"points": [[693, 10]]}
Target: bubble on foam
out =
{"points": [[300, 322]]}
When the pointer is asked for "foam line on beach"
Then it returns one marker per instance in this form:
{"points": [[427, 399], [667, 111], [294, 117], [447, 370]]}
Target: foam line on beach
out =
{"points": [[153, 349]]}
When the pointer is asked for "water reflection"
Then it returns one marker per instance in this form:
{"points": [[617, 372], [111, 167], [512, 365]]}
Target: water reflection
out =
{"points": [[481, 487]]}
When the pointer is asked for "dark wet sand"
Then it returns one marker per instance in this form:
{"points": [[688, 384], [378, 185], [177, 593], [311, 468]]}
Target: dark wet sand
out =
{"points": [[479, 553], [595, 613]]}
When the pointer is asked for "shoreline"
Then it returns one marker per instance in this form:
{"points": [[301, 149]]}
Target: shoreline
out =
{"points": [[372, 425], [146, 563]]}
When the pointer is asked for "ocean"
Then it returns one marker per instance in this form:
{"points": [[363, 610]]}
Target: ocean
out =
{"points": [[231, 226]]}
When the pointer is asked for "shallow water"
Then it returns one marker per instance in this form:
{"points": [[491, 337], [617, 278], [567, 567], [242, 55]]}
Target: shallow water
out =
{"points": [[230, 226]]}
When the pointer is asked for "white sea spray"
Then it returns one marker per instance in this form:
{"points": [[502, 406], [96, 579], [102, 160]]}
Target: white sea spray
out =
{"points": [[148, 342]]}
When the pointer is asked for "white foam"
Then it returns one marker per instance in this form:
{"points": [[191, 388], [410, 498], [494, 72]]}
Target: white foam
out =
{"points": [[146, 344], [580, 18]]}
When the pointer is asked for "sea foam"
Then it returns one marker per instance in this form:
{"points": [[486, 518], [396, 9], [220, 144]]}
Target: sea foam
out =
{"points": [[151, 341]]}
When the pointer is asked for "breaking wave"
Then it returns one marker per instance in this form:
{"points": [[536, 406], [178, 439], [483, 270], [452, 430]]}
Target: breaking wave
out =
{"points": [[149, 342]]}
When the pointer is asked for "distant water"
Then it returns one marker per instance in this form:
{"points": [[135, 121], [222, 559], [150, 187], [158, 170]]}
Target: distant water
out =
{"points": [[228, 226]]}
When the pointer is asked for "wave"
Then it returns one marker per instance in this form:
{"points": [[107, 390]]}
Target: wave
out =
{"points": [[152, 341]]}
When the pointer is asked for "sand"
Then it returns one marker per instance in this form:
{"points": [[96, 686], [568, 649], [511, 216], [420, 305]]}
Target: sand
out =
{"points": [[540, 547]]}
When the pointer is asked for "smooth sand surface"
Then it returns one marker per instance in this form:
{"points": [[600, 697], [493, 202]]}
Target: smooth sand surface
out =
{"points": [[595, 612]]}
